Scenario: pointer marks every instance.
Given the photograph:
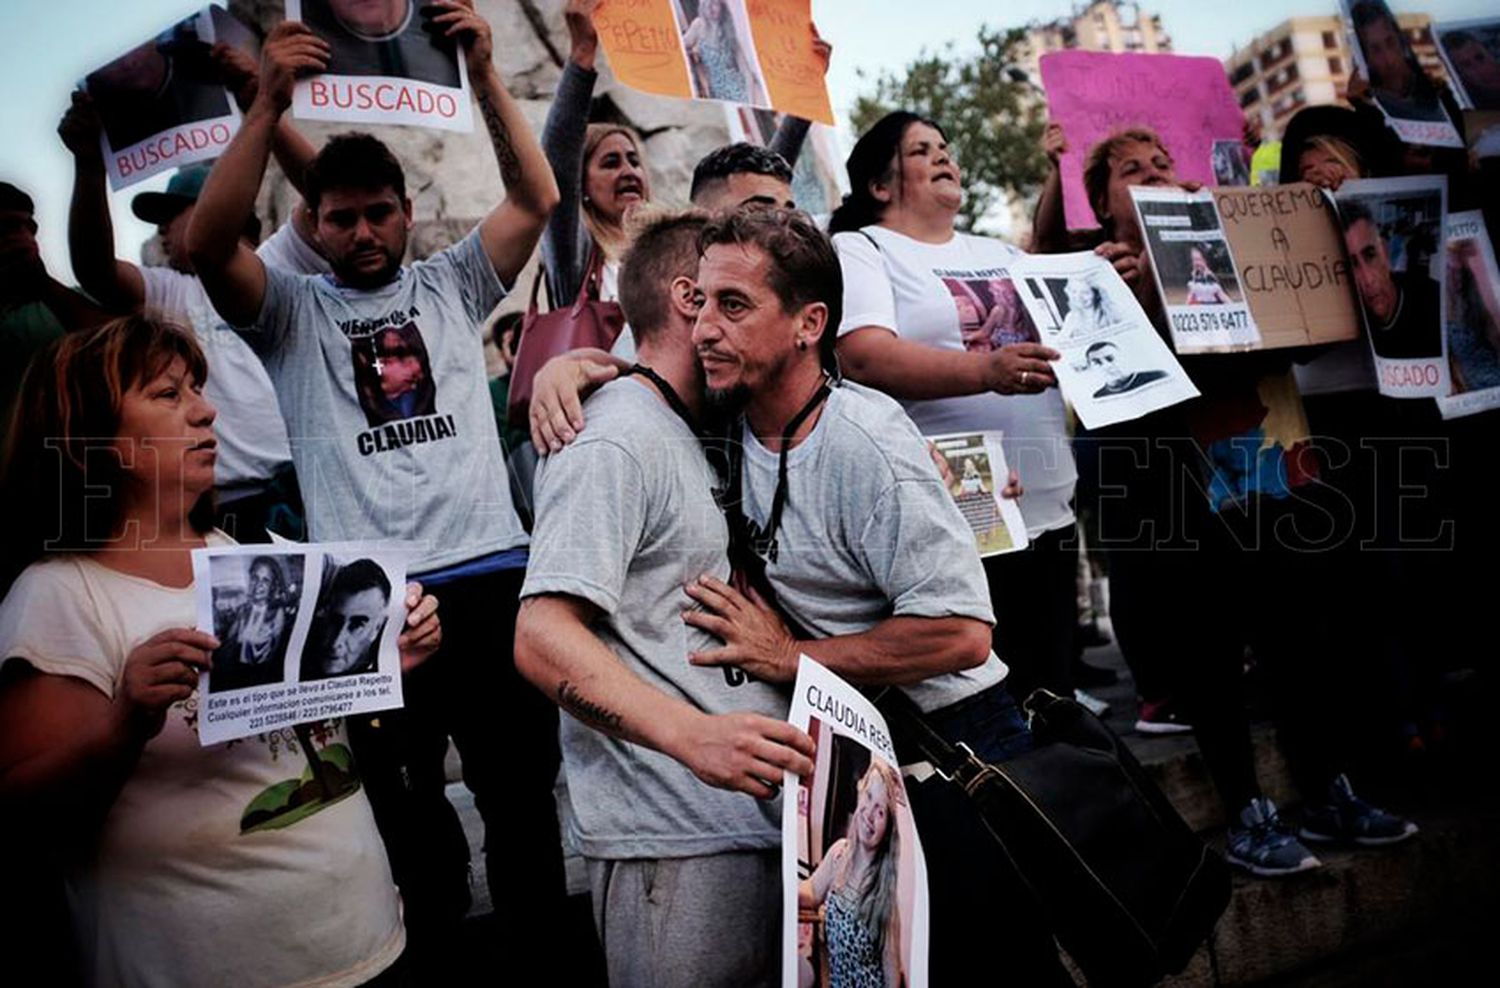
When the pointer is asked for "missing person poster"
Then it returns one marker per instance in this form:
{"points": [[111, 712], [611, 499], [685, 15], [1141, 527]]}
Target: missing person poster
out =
{"points": [[1114, 366], [306, 632], [1291, 263], [1393, 234], [1186, 100], [163, 104], [750, 52], [1194, 270], [1471, 52], [1399, 85], [854, 882], [972, 467], [1473, 328], [389, 65]]}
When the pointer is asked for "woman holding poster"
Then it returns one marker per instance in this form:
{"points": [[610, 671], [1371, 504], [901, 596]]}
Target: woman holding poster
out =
{"points": [[99, 673], [855, 883]]}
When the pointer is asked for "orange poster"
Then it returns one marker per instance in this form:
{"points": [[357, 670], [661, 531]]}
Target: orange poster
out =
{"points": [[748, 52], [794, 74]]}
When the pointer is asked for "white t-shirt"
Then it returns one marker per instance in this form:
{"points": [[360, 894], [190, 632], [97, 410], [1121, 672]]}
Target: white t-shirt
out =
{"points": [[609, 291], [252, 437], [212, 866], [916, 290]]}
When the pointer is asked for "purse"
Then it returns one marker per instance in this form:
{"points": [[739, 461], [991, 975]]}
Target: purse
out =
{"points": [[588, 322], [1127, 887]]}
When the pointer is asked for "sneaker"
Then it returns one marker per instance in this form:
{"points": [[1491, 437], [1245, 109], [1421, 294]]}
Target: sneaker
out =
{"points": [[1090, 635], [1261, 844], [1346, 818], [1159, 717], [1091, 703]]}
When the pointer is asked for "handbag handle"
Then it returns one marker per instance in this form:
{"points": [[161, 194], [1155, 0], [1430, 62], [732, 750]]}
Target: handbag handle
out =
{"points": [[954, 762]]}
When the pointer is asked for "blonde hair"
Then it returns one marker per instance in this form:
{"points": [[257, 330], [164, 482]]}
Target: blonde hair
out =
{"points": [[876, 894], [611, 237], [1339, 150]]}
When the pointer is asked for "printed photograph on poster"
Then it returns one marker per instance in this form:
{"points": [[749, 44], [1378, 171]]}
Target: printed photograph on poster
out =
{"points": [[1399, 85], [1473, 289], [163, 104], [1231, 167], [716, 39], [1471, 51], [854, 881], [1114, 367], [388, 64], [1186, 100], [1393, 234], [234, 32], [256, 600], [1194, 270], [306, 633], [972, 467], [755, 54]]}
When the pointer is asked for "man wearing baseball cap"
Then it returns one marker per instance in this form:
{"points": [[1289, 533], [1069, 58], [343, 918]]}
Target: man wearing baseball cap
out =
{"points": [[255, 484]]}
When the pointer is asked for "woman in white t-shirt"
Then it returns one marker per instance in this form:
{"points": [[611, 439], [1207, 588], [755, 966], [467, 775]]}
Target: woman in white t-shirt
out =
{"points": [[187, 865], [909, 281]]}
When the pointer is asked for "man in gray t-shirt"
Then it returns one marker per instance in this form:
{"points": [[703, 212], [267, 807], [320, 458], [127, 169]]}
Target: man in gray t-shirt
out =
{"points": [[379, 372], [673, 768]]}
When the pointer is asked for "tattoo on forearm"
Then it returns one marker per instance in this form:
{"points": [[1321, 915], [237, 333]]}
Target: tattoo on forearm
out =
{"points": [[586, 710], [510, 164]]}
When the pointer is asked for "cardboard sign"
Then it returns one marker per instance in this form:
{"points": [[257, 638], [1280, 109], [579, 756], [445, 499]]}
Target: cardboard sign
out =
{"points": [[163, 104], [1187, 101], [1292, 269], [386, 67], [749, 52]]}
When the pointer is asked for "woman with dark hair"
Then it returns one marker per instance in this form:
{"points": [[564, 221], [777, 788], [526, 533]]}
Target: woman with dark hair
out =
{"points": [[904, 332], [856, 885], [901, 332], [174, 876]]}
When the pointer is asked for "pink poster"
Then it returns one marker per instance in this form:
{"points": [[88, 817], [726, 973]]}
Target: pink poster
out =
{"points": [[1092, 94]]}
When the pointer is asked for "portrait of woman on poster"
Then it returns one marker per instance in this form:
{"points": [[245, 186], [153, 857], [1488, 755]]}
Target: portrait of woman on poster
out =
{"points": [[254, 634], [855, 883], [1202, 287], [720, 71], [1089, 310]]}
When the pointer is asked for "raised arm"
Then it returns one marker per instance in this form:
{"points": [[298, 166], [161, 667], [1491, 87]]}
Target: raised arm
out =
{"points": [[241, 74], [512, 228], [556, 650], [116, 284], [1049, 227], [233, 276], [562, 140]]}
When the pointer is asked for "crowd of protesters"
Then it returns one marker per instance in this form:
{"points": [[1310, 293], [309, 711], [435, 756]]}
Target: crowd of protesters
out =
{"points": [[742, 479]]}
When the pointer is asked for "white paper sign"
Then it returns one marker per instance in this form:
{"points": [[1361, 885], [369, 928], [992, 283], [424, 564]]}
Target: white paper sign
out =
{"points": [[162, 104], [1393, 233], [386, 67], [306, 632], [1194, 270], [1472, 287], [1114, 366], [1399, 85], [849, 822], [972, 467]]}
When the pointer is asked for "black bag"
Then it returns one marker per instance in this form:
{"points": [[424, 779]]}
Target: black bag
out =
{"points": [[1128, 889]]}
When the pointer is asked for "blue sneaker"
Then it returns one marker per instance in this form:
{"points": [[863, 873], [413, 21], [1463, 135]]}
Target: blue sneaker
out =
{"points": [[1262, 845], [1347, 819]]}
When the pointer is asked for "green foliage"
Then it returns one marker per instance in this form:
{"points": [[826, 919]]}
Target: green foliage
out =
{"points": [[994, 124]]}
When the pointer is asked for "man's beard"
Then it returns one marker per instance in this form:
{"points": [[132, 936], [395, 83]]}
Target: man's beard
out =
{"points": [[353, 277], [726, 403]]}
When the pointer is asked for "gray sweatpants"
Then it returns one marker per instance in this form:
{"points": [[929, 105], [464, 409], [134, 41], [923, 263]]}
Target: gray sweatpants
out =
{"points": [[701, 922]]}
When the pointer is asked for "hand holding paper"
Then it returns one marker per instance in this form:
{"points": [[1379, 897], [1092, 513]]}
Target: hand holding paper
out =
{"points": [[459, 20], [291, 51], [161, 671], [423, 632]]}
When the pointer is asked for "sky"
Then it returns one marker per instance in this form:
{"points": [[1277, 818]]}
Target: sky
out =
{"points": [[48, 45]]}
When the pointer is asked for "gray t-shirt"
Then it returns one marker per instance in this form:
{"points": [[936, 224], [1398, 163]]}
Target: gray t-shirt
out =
{"points": [[868, 532], [625, 517], [388, 408]]}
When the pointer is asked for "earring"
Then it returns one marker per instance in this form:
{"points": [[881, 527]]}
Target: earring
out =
{"points": [[801, 344]]}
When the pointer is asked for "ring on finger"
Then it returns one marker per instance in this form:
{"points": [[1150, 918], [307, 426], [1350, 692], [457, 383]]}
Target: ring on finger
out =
{"points": [[1025, 376]]}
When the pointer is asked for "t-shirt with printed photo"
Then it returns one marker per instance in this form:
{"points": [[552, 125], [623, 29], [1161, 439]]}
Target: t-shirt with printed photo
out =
{"points": [[387, 405]]}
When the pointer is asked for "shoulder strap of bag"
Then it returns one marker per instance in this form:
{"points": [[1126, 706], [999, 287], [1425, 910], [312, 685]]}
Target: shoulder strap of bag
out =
{"points": [[956, 763], [592, 281]]}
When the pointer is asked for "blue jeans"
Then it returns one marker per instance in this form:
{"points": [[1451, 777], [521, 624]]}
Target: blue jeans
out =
{"points": [[985, 924]]}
